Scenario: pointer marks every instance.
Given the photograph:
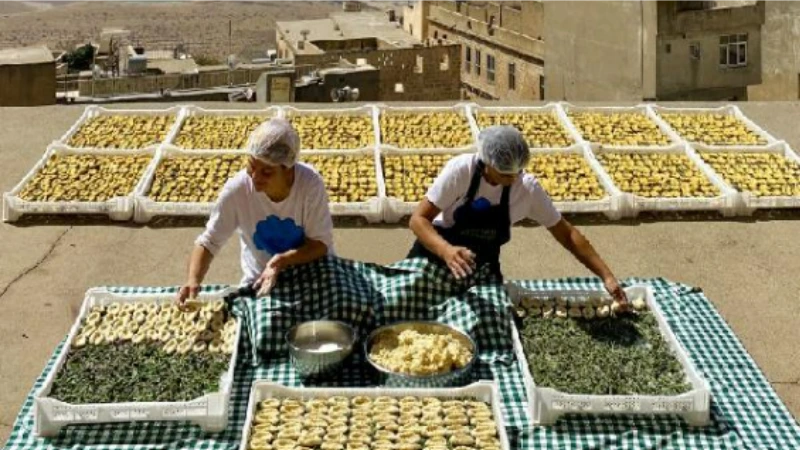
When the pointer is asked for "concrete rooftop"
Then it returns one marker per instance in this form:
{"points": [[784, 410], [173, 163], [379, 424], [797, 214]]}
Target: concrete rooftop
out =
{"points": [[344, 26], [748, 267]]}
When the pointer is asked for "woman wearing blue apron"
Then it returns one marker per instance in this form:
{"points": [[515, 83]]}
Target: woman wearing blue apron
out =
{"points": [[277, 205], [466, 216]]}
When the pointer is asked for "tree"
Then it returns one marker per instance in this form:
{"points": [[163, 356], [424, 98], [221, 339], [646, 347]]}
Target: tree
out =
{"points": [[80, 58]]}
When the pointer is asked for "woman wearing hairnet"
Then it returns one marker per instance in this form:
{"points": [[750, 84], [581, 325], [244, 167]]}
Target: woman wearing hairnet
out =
{"points": [[278, 205], [468, 211]]}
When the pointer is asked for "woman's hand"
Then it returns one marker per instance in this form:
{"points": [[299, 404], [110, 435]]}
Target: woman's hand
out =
{"points": [[616, 291], [460, 260], [269, 276], [186, 292]]}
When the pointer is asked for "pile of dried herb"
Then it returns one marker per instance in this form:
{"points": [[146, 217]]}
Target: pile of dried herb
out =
{"points": [[126, 372], [612, 356]]}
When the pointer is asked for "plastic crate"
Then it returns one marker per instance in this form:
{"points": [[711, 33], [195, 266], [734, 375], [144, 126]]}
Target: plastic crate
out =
{"points": [[610, 205], [461, 109], [95, 111], [395, 209], [746, 202], [566, 108], [189, 111], [546, 405], [369, 111], [631, 205], [118, 208], [210, 411], [549, 109], [728, 110], [484, 391], [372, 208], [147, 208]]}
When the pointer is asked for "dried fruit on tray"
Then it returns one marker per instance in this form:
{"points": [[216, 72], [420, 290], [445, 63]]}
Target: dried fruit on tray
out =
{"points": [[408, 177], [122, 131], [541, 130], [328, 131], [193, 178], [85, 178], [654, 175], [761, 174], [619, 129], [566, 176], [713, 129], [348, 178], [425, 130], [217, 132]]}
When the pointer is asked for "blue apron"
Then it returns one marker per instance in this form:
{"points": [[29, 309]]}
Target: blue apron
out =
{"points": [[478, 226]]}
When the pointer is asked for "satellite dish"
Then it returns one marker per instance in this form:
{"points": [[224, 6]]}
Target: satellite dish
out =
{"points": [[335, 95], [354, 94]]}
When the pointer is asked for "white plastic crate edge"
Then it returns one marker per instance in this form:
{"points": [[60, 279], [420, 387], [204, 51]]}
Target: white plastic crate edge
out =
{"points": [[210, 411], [731, 110], [372, 208], [549, 108], [547, 405], [192, 110], [748, 203], [609, 205], [631, 204], [364, 110], [460, 108], [118, 208], [93, 111], [486, 391], [642, 109], [394, 209], [146, 208]]}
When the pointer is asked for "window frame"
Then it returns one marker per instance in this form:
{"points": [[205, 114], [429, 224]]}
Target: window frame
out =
{"points": [[468, 59], [478, 62], [491, 68], [733, 50], [512, 76]]}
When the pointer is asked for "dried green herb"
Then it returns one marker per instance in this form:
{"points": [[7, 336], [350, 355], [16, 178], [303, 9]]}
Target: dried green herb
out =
{"points": [[126, 372], [612, 356]]}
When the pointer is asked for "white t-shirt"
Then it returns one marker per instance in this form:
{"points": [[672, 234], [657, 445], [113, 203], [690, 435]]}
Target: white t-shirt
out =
{"points": [[266, 227], [527, 198]]}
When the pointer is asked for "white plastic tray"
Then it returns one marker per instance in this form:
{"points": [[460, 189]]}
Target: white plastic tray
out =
{"points": [[367, 111], [394, 209], [610, 205], [546, 405], [747, 203], [93, 111], [640, 109], [118, 208], [485, 391], [461, 109], [631, 205], [147, 208], [372, 209], [549, 109], [191, 110], [210, 411], [728, 110]]}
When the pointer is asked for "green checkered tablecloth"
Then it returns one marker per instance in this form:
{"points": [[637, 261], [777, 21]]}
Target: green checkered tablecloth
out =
{"points": [[746, 412]]}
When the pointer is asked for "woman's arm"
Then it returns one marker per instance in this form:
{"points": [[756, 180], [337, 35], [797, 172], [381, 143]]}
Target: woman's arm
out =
{"points": [[574, 241], [310, 251], [199, 262]]}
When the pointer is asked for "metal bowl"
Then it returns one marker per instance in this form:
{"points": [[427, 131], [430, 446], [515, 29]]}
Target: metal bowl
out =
{"points": [[318, 348], [397, 379]]}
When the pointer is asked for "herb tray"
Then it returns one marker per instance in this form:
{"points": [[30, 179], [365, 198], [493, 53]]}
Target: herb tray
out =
{"points": [[546, 405], [485, 391], [210, 411]]}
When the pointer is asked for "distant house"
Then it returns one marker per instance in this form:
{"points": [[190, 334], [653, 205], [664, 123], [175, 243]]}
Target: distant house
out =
{"points": [[27, 77]]}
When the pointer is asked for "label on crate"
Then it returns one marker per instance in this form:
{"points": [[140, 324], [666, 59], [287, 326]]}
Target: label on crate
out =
{"points": [[75, 413], [571, 405]]}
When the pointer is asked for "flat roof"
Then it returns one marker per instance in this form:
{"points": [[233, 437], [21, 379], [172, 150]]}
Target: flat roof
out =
{"points": [[344, 26], [25, 55]]}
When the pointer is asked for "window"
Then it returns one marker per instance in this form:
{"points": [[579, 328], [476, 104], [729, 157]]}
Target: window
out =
{"points": [[490, 68], [420, 64], [398, 88], [694, 50], [444, 63], [477, 62], [436, 35], [467, 60], [541, 87], [669, 48], [512, 76], [733, 50]]}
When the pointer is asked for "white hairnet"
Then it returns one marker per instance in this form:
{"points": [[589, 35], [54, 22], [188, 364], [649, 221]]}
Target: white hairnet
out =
{"points": [[275, 142], [504, 148]]}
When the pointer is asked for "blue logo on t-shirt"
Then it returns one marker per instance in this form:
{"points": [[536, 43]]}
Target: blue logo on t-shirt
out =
{"points": [[275, 235], [481, 204]]}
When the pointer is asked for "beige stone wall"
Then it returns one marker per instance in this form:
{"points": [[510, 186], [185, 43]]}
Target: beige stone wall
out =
{"points": [[679, 73], [28, 85], [527, 73], [780, 54], [595, 55]]}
